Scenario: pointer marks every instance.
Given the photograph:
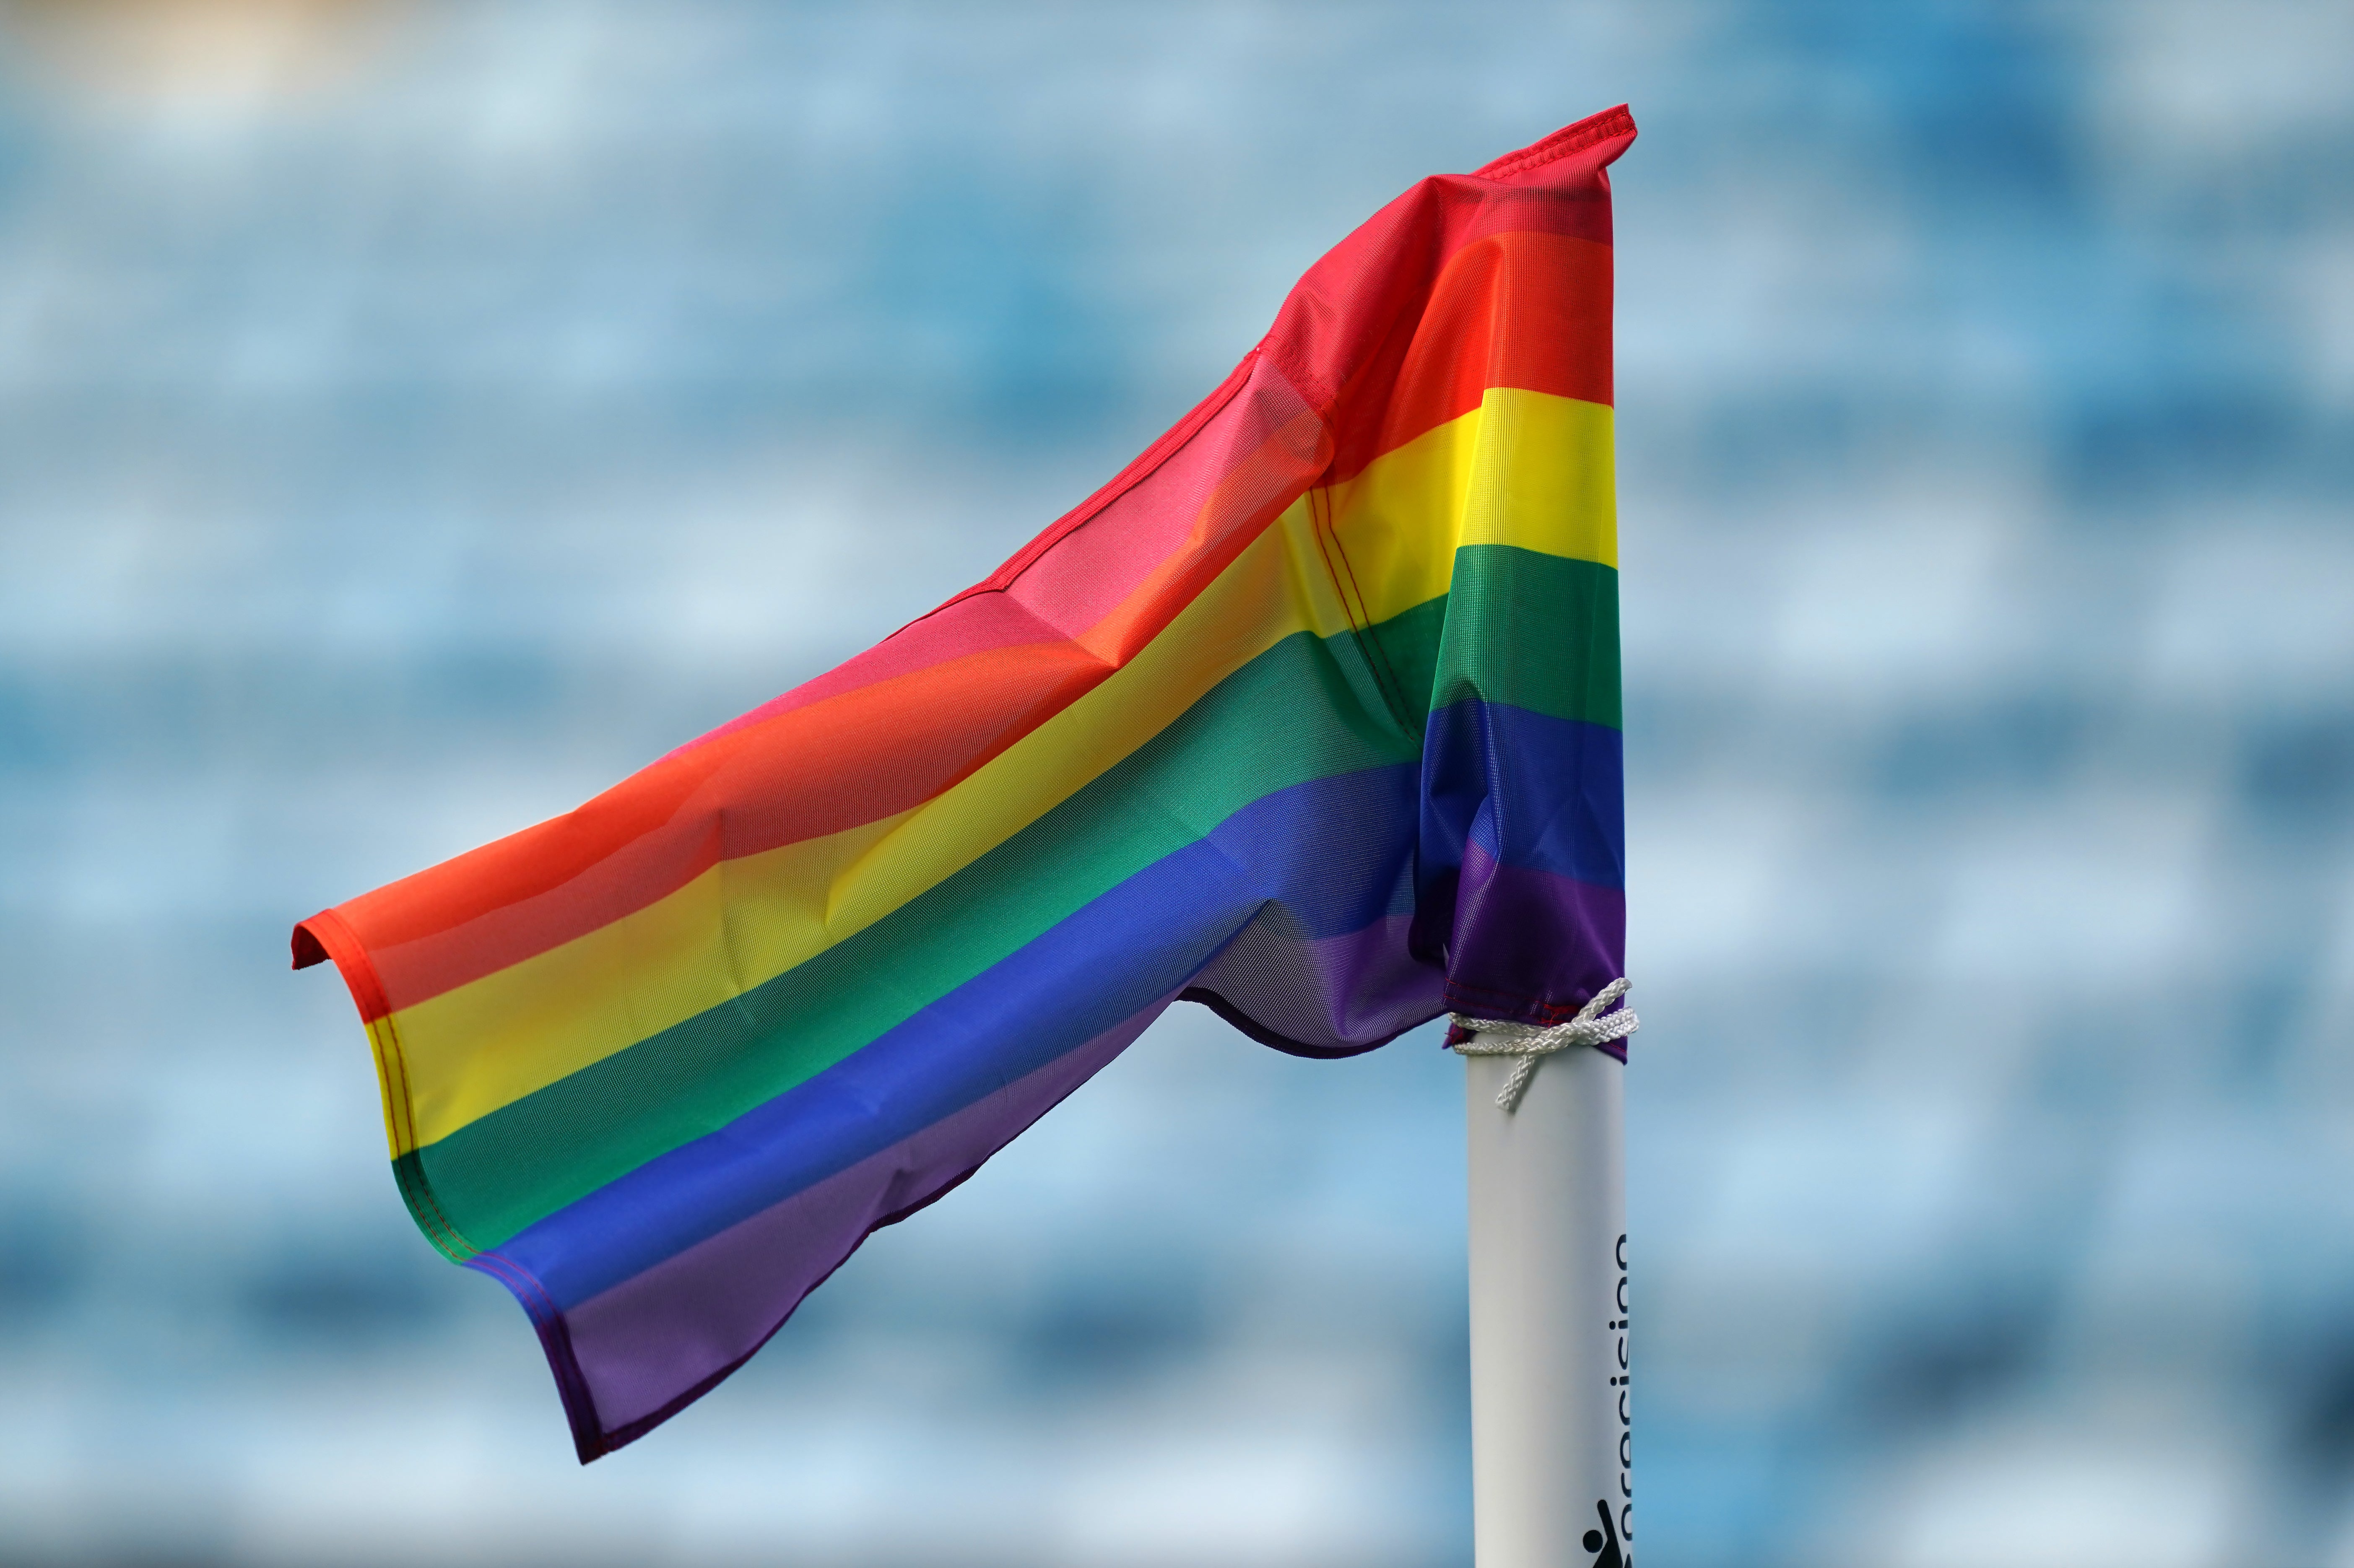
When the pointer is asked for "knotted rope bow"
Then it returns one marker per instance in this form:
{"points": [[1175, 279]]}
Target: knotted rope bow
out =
{"points": [[1503, 1037]]}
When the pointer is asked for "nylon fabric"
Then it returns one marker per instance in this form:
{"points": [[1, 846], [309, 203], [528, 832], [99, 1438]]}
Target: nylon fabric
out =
{"points": [[1311, 715]]}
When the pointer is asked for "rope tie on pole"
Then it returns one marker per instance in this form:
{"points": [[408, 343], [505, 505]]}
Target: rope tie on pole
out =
{"points": [[1505, 1037]]}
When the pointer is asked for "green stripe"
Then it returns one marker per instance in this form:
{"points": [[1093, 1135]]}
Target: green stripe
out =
{"points": [[1307, 708], [1531, 631]]}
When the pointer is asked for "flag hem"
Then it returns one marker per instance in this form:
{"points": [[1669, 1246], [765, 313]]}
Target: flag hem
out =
{"points": [[1590, 131]]}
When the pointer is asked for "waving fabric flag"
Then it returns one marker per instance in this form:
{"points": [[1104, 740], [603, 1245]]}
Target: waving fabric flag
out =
{"points": [[1311, 715]]}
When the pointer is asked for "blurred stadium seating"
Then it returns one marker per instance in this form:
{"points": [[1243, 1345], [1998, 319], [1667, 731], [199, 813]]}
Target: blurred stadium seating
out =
{"points": [[414, 416]]}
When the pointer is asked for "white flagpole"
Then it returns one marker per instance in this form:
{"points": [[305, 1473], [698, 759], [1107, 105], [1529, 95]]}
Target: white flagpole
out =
{"points": [[1551, 1405]]}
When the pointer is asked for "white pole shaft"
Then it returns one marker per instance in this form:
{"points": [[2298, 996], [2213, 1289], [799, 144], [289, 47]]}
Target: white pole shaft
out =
{"points": [[1550, 1406]]}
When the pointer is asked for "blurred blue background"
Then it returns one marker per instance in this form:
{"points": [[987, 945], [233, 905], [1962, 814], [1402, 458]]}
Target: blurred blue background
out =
{"points": [[414, 416]]}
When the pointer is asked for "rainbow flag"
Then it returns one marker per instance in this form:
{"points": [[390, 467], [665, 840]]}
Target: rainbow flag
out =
{"points": [[1311, 715]]}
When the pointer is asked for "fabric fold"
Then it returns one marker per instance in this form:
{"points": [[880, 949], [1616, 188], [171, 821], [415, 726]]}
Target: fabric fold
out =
{"points": [[1311, 715]]}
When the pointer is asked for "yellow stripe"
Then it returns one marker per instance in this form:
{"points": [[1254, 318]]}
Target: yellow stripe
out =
{"points": [[1525, 468]]}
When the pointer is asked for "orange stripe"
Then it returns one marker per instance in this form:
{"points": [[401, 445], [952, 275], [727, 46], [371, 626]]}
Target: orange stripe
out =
{"points": [[1523, 309], [802, 773], [1526, 310]]}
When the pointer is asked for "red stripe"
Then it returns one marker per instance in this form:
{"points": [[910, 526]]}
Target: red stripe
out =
{"points": [[1467, 254], [1337, 321], [798, 774], [1530, 310], [1465, 282], [1041, 597]]}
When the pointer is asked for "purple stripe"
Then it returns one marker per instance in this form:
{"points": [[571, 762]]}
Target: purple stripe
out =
{"points": [[656, 1340], [1330, 996], [1324, 858], [1530, 945]]}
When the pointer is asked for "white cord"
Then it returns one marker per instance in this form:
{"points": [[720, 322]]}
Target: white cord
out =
{"points": [[1528, 1042]]}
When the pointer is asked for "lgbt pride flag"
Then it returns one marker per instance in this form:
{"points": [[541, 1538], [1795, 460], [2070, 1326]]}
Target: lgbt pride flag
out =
{"points": [[1311, 716]]}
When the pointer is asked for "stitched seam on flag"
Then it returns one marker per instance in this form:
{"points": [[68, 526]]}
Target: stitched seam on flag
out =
{"points": [[1486, 996], [555, 1341], [420, 1187], [1603, 127], [424, 1204], [1361, 622], [393, 1132], [1317, 528], [350, 956], [1142, 468], [352, 960], [1327, 544]]}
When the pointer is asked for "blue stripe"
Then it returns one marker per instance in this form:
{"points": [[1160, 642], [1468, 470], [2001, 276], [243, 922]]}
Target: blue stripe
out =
{"points": [[1332, 852], [1536, 792]]}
